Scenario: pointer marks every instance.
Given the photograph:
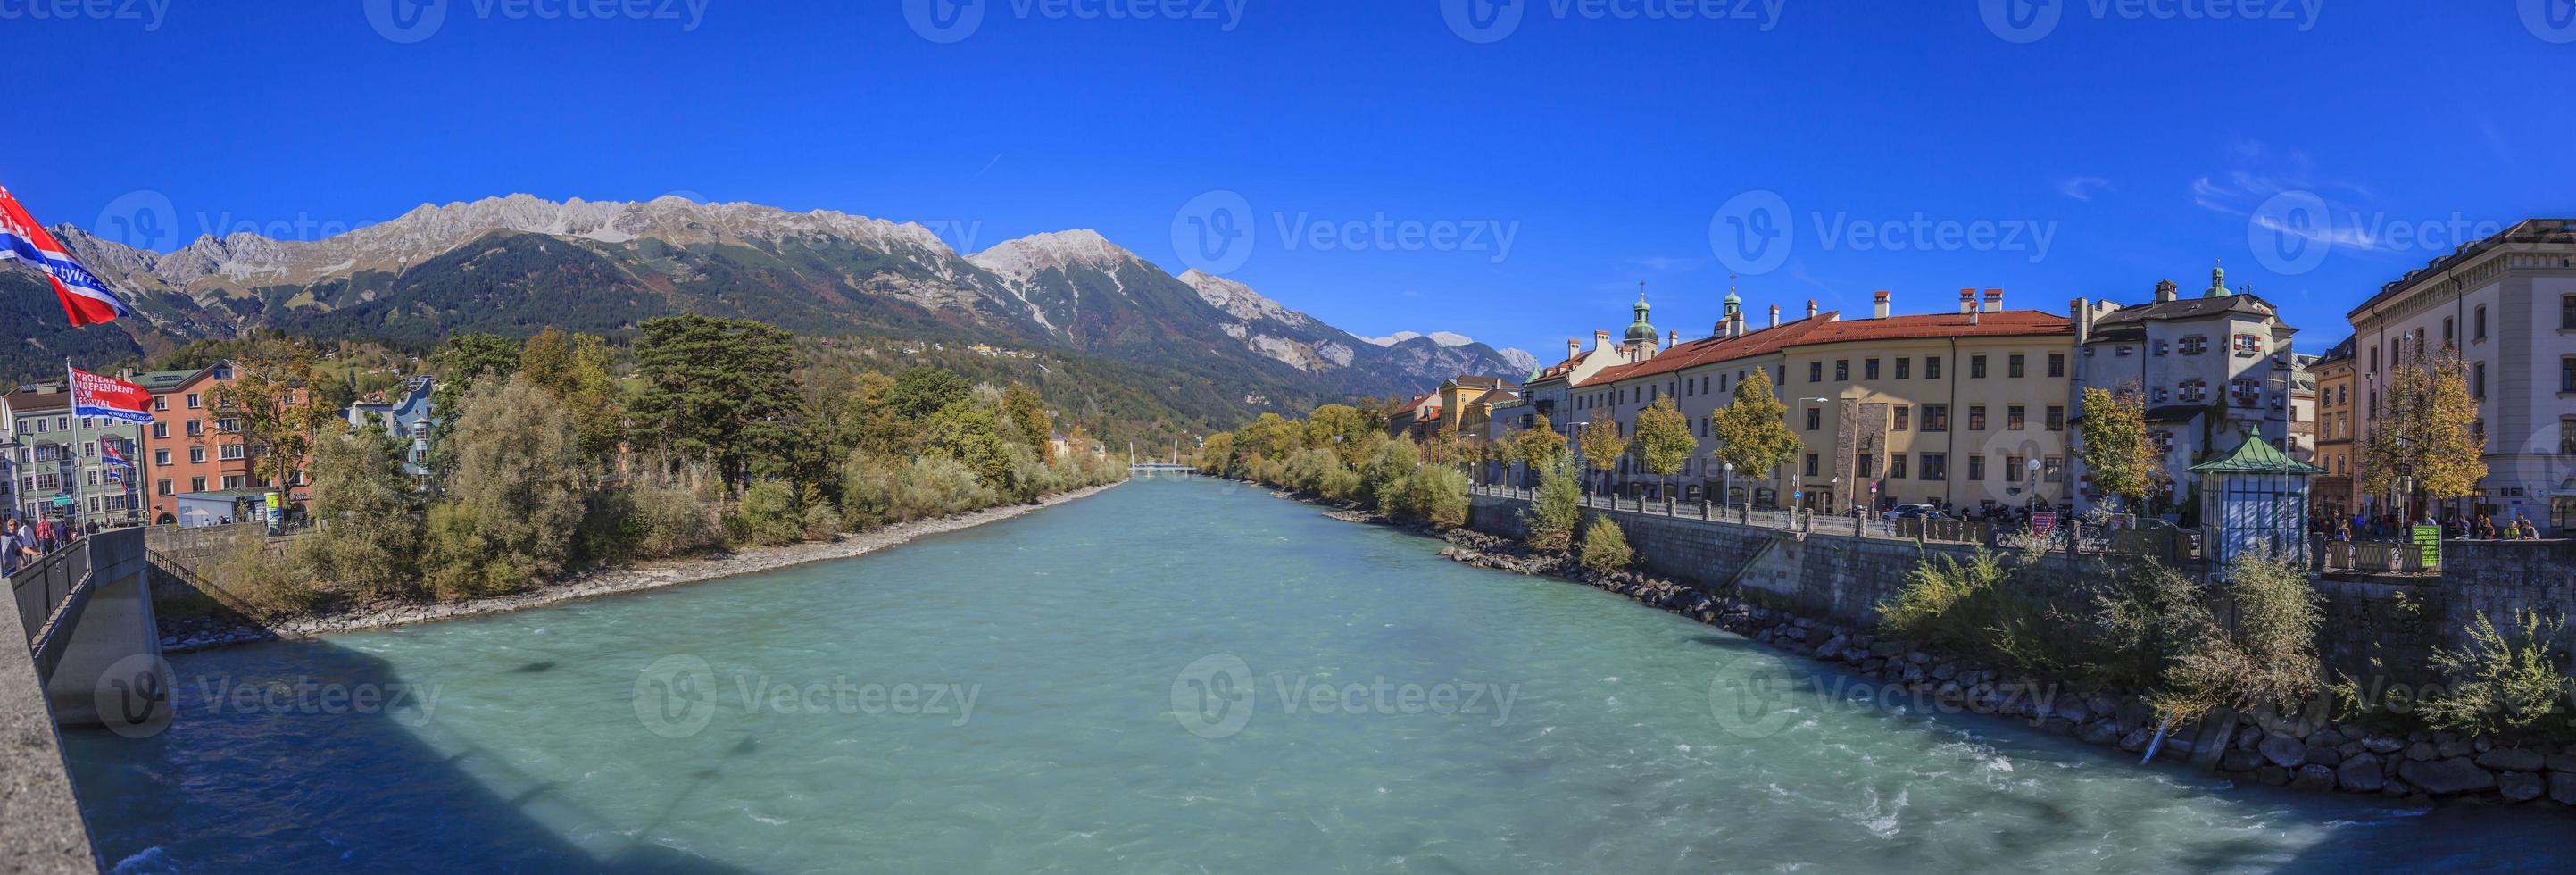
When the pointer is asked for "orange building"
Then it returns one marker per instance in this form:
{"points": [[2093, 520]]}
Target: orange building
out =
{"points": [[193, 446]]}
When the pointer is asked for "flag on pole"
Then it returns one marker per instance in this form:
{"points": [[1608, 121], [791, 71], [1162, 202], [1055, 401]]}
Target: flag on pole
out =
{"points": [[85, 297], [109, 398], [112, 451]]}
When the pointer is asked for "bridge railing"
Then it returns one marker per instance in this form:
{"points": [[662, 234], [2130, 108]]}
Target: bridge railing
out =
{"points": [[41, 588]]}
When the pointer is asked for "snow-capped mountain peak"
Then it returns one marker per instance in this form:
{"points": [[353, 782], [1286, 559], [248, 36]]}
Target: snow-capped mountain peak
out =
{"points": [[1025, 257]]}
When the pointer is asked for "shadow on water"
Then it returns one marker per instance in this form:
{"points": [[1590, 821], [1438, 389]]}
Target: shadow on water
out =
{"points": [[308, 783]]}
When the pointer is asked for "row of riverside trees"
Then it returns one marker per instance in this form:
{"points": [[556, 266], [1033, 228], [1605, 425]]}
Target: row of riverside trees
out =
{"points": [[549, 457], [1343, 454]]}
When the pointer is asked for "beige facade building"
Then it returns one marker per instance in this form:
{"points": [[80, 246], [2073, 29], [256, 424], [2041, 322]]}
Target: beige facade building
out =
{"points": [[2334, 425], [2508, 304]]}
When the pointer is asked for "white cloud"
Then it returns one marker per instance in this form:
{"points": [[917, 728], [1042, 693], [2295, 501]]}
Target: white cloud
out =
{"points": [[2082, 188]]}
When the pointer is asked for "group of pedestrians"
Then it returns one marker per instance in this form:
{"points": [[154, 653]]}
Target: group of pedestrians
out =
{"points": [[2456, 527]]}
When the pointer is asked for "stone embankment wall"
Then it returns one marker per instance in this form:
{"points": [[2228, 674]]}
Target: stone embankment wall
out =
{"points": [[1816, 596]]}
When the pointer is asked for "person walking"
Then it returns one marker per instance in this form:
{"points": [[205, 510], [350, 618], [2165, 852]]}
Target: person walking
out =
{"points": [[45, 535], [15, 549]]}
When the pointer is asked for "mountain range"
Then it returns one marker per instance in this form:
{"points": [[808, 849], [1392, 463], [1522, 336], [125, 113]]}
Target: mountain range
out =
{"points": [[513, 265]]}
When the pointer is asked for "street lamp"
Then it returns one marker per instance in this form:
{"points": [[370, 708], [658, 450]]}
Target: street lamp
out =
{"points": [[2033, 465]]}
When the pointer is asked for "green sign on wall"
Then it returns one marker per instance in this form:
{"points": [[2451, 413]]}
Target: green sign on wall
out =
{"points": [[2428, 542]]}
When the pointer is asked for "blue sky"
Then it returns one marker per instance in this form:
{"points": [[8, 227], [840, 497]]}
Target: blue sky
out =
{"points": [[2055, 150]]}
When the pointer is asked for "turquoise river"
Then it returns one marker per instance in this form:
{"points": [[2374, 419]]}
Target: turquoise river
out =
{"points": [[1173, 676]]}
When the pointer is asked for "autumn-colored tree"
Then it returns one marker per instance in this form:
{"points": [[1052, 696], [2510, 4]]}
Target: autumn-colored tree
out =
{"points": [[575, 369], [1026, 422], [1752, 431], [1601, 445], [1663, 442], [1342, 429], [265, 403], [2112, 443], [2425, 435], [1538, 446]]}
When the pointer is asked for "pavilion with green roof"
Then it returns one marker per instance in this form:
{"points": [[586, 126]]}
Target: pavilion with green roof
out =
{"points": [[2255, 500]]}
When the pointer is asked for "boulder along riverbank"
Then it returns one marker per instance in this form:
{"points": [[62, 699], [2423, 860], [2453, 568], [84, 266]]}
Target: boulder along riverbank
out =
{"points": [[185, 636], [2302, 753]]}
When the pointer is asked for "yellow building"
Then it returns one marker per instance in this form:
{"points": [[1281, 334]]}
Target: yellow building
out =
{"points": [[2335, 429]]}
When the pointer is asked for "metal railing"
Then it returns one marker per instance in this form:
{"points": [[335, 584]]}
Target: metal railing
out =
{"points": [[44, 585]]}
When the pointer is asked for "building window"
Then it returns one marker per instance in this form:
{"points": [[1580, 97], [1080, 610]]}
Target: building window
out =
{"points": [[1976, 367], [196, 428], [197, 454], [2194, 391], [2015, 417], [2161, 348], [233, 481], [1905, 369], [2056, 417], [2478, 324], [2478, 381], [1936, 466], [2249, 345], [1815, 418], [2057, 364], [1815, 372], [2015, 467], [2016, 366], [1976, 417], [2450, 333], [196, 484], [161, 488], [1842, 370], [1931, 367], [160, 430], [1977, 469], [1904, 418], [1865, 466], [1811, 464], [2195, 345], [1936, 417], [161, 457], [2163, 441], [1896, 467], [2567, 435], [2567, 312], [1869, 369], [193, 401], [2566, 377], [2053, 470], [160, 402], [229, 452], [2247, 393]]}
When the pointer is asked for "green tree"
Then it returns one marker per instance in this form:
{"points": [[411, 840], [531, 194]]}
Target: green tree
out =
{"points": [[370, 539], [923, 391], [1752, 430], [2269, 657], [1605, 547], [516, 498], [965, 431], [2425, 436], [461, 362], [1552, 516], [1027, 421], [1663, 442], [575, 369], [1601, 445], [718, 391], [2113, 444], [768, 514]]}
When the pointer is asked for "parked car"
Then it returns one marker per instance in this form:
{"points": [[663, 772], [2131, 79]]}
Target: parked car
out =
{"points": [[1912, 511]]}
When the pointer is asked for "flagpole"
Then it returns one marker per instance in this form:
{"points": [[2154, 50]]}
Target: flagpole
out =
{"points": [[80, 466]]}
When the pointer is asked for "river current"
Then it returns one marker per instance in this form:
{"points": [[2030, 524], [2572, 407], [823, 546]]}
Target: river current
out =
{"points": [[1177, 675]]}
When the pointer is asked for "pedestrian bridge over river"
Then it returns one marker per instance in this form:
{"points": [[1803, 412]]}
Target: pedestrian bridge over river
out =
{"points": [[92, 658]]}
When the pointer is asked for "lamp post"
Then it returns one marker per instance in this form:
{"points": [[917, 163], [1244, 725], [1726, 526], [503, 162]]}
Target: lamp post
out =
{"points": [[2033, 465], [1726, 487]]}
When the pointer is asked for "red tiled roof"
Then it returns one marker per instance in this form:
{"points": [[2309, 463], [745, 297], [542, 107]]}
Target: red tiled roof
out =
{"points": [[1711, 350], [2008, 323], [1417, 405], [1559, 369]]}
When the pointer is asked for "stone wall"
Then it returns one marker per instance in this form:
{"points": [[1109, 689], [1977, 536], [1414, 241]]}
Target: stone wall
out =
{"points": [[1837, 577]]}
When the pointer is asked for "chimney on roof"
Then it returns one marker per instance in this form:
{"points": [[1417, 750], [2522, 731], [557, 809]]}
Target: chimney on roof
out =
{"points": [[1974, 315], [1675, 339], [1811, 308], [1994, 300], [2080, 312], [1573, 347], [1967, 301], [1600, 340], [1775, 315], [1879, 306], [2166, 291]]}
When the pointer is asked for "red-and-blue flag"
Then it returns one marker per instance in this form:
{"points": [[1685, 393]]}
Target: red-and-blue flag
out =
{"points": [[112, 451], [85, 297], [109, 398]]}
